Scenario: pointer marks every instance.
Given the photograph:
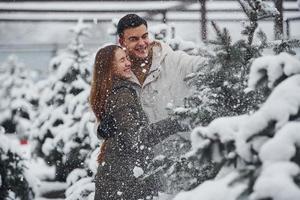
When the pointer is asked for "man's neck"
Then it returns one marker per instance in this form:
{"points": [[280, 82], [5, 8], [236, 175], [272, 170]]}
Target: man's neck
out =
{"points": [[141, 67]]}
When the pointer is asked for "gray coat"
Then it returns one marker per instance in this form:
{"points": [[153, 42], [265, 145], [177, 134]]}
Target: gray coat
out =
{"points": [[130, 139]]}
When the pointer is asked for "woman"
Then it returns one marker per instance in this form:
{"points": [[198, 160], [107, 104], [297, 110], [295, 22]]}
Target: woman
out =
{"points": [[129, 137]]}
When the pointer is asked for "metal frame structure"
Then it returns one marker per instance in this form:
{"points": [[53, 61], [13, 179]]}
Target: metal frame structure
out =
{"points": [[105, 11]]}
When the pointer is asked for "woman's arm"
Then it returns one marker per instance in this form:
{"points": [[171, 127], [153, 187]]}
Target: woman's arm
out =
{"points": [[135, 130], [107, 127]]}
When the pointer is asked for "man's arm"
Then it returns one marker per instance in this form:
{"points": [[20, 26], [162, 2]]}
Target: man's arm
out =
{"points": [[181, 61]]}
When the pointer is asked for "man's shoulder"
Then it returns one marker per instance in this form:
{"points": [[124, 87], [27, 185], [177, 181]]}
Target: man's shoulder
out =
{"points": [[157, 45], [160, 50]]}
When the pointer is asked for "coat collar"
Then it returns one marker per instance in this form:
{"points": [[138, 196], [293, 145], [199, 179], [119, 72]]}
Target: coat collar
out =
{"points": [[120, 83], [159, 53]]}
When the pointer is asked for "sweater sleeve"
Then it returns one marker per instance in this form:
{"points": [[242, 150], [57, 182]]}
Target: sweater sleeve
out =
{"points": [[106, 128], [132, 129], [183, 62]]}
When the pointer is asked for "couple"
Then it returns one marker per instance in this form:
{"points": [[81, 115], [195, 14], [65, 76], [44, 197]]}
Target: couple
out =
{"points": [[131, 87]]}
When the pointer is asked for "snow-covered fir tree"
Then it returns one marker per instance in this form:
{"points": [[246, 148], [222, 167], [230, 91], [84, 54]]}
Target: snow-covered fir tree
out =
{"points": [[219, 91], [19, 97], [228, 67], [15, 181], [167, 34], [62, 135], [187, 172], [259, 152], [80, 182]]}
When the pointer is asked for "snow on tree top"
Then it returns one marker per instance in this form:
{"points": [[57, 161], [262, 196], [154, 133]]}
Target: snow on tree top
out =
{"points": [[80, 27], [6, 145]]}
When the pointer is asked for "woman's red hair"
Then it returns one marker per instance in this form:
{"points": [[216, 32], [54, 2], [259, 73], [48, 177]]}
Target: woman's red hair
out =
{"points": [[101, 85]]}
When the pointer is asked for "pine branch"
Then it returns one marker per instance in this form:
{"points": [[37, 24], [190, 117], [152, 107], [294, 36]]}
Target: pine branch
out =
{"points": [[217, 29], [246, 11]]}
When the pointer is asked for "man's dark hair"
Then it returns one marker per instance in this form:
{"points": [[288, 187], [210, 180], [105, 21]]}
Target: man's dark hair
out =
{"points": [[130, 21]]}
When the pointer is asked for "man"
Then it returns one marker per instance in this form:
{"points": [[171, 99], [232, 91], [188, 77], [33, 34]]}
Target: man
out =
{"points": [[158, 71]]}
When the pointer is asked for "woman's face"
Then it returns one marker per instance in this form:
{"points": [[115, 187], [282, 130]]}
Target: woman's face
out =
{"points": [[122, 66]]}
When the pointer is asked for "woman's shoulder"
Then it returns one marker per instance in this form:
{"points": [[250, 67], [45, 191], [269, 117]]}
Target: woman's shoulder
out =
{"points": [[122, 84], [122, 92]]}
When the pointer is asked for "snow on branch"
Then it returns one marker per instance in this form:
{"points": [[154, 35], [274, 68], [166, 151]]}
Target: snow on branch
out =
{"points": [[283, 103], [239, 129], [276, 182], [282, 147], [6, 145], [260, 7], [272, 68], [208, 190], [223, 128]]}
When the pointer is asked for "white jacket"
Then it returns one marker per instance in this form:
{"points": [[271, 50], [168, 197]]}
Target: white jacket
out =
{"points": [[165, 82]]}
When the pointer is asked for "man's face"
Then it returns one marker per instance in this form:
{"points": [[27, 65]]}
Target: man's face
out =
{"points": [[136, 41]]}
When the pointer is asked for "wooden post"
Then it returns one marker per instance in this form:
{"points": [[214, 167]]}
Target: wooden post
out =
{"points": [[203, 20], [278, 22], [164, 14], [287, 29]]}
